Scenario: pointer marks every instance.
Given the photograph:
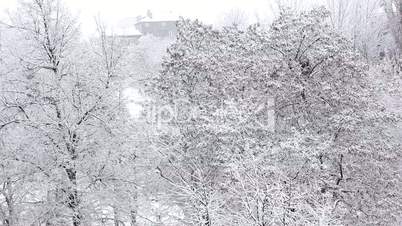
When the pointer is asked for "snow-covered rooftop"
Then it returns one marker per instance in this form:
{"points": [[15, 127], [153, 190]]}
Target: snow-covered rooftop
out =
{"points": [[159, 18]]}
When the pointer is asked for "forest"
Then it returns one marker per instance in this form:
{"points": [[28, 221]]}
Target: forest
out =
{"points": [[295, 121]]}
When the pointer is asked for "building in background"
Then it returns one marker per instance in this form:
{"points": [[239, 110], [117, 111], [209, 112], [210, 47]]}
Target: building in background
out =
{"points": [[157, 27], [135, 28]]}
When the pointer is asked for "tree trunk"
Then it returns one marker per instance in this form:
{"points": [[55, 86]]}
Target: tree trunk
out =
{"points": [[73, 200], [10, 218], [133, 211], [206, 218], [399, 38], [9, 221], [394, 14], [133, 217], [116, 216], [73, 197]]}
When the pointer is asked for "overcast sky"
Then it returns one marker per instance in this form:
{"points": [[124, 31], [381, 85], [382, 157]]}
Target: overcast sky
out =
{"points": [[113, 11]]}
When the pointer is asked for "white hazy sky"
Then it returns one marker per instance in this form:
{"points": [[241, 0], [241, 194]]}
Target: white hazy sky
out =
{"points": [[113, 11]]}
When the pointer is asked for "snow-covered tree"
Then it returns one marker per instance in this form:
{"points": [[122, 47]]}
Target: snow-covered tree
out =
{"points": [[65, 101], [393, 9], [328, 152]]}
